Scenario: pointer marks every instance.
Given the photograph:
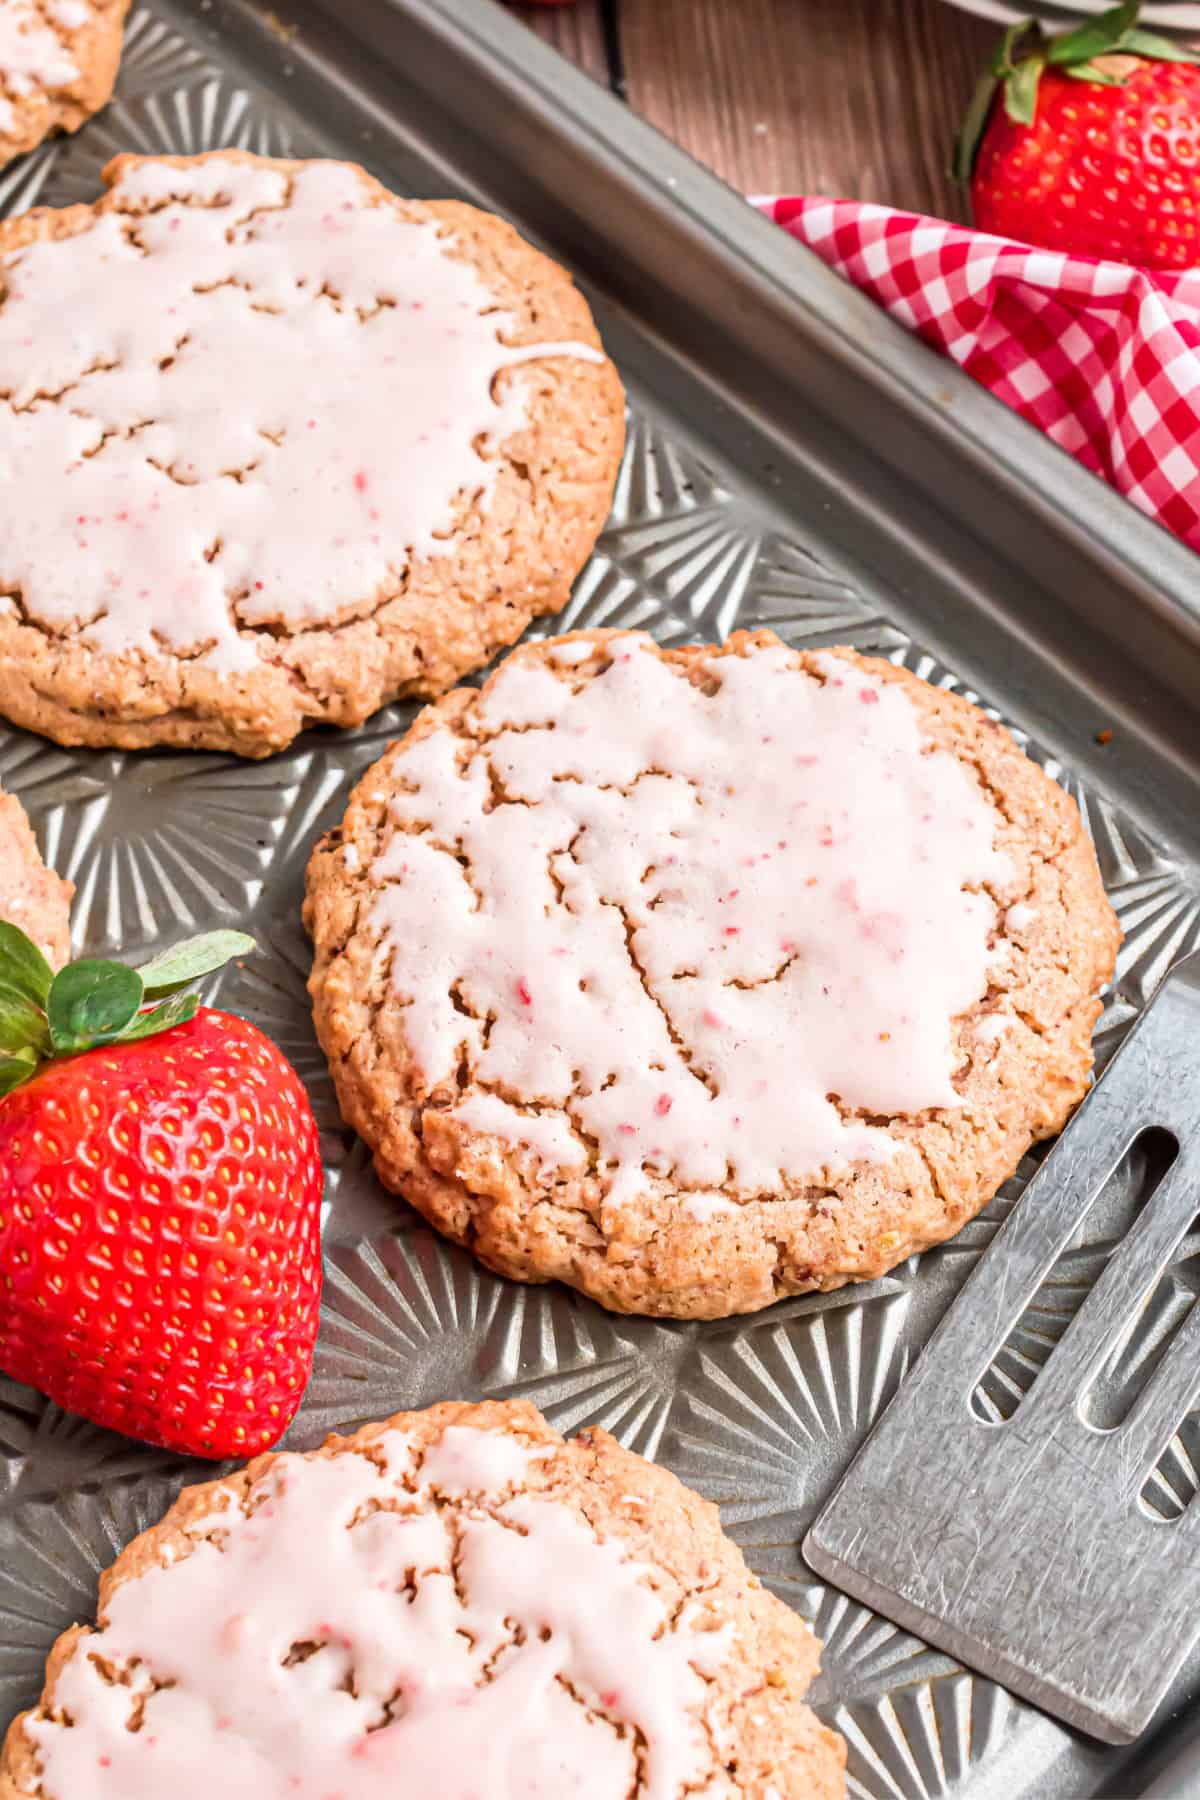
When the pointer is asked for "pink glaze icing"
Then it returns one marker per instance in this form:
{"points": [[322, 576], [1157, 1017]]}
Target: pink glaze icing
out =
{"points": [[264, 409], [328, 1648], [31, 56], [799, 874]]}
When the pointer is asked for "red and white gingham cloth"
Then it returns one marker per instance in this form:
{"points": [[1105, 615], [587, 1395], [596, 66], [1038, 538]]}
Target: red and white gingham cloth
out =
{"points": [[1103, 357]]}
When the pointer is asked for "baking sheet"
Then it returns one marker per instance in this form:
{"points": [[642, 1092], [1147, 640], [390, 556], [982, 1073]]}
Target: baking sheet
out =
{"points": [[794, 461]]}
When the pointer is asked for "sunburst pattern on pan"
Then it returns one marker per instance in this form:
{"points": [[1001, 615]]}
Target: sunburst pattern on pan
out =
{"points": [[763, 1414]]}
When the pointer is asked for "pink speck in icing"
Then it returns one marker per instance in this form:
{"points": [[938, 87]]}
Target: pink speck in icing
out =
{"points": [[379, 1652], [232, 288], [846, 986]]}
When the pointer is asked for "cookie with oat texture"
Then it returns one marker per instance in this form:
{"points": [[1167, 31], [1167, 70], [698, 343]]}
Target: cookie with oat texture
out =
{"points": [[281, 447], [454, 1604], [700, 977], [58, 63]]}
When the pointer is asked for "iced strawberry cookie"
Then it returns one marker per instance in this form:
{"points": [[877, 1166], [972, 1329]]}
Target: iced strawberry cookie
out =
{"points": [[699, 977], [450, 1605], [31, 895], [279, 448], [58, 62]]}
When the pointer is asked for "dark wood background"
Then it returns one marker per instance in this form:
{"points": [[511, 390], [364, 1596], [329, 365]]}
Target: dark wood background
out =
{"points": [[857, 99]]}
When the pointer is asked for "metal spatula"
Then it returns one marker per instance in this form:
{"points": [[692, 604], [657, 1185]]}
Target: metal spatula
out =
{"points": [[1025, 1546]]}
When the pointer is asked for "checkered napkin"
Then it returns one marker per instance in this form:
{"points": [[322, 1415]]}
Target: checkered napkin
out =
{"points": [[1103, 357]]}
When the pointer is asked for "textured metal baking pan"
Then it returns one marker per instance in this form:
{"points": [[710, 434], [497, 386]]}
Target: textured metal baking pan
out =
{"points": [[796, 461]]}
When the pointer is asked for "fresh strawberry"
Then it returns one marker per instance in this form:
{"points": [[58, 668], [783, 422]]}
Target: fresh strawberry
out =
{"points": [[1089, 142], [160, 1190]]}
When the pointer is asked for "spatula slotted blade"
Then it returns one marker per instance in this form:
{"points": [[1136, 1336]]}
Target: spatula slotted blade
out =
{"points": [[1023, 1546]]}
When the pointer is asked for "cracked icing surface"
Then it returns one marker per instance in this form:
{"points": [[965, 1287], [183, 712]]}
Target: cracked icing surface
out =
{"points": [[454, 1603], [31, 895], [680, 896], [195, 517], [193, 464], [603, 946], [31, 55], [58, 61]]}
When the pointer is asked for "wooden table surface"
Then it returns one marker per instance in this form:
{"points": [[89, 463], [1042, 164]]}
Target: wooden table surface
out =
{"points": [[856, 99]]}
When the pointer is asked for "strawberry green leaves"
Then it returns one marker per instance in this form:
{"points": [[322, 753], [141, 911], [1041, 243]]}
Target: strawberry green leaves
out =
{"points": [[1020, 89], [998, 70], [25, 980], [89, 1003], [1114, 33], [1099, 37], [22, 1024], [194, 957], [999, 74], [15, 1069], [1155, 48], [22, 965], [1025, 52], [175, 1011]]}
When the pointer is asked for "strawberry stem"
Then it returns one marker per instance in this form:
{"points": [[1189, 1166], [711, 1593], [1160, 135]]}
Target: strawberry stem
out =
{"points": [[44, 1015], [1017, 76]]}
